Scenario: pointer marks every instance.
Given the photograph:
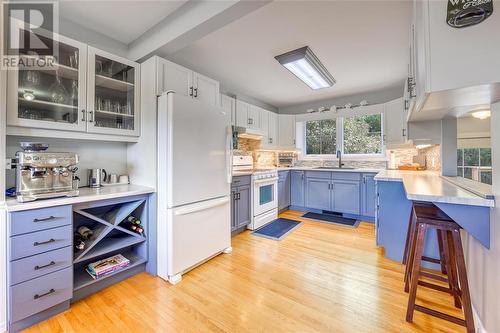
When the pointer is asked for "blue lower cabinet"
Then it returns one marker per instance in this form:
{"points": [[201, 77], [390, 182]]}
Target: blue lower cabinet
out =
{"points": [[318, 195], [297, 191], [346, 197], [284, 190], [368, 196], [241, 213], [393, 216], [34, 296]]}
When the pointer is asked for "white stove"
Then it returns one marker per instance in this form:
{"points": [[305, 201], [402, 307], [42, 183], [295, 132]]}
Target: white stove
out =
{"points": [[264, 191]]}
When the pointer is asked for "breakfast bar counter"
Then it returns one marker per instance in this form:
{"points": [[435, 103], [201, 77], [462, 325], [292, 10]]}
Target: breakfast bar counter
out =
{"points": [[396, 192]]}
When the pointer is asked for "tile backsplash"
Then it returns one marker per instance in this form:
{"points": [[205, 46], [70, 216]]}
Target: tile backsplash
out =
{"points": [[264, 158], [431, 156], [347, 163]]}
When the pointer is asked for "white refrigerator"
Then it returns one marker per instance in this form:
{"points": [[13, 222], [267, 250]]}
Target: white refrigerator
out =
{"points": [[194, 179]]}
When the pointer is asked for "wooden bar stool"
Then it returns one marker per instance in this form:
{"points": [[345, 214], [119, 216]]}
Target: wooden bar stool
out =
{"points": [[425, 218], [429, 210]]}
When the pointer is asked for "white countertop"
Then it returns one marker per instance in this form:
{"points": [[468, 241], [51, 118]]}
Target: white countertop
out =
{"points": [[357, 170], [86, 194], [431, 187]]}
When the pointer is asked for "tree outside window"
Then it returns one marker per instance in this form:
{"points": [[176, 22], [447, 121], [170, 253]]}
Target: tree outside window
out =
{"points": [[363, 134], [475, 164], [321, 137]]}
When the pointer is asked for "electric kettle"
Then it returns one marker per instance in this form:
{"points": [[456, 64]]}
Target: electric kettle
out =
{"points": [[97, 177]]}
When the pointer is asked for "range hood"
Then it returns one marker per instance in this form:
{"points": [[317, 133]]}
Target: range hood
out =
{"points": [[249, 133]]}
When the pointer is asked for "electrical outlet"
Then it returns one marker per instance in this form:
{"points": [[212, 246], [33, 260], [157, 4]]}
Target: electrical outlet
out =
{"points": [[10, 163]]}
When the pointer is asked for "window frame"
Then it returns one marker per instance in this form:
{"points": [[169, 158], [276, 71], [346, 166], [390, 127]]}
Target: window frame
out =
{"points": [[339, 127]]}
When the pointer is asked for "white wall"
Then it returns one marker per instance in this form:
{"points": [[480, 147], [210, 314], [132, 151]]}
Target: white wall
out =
{"points": [[111, 156], [474, 133], [483, 265]]}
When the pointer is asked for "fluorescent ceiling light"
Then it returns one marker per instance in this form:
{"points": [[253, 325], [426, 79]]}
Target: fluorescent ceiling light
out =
{"points": [[307, 67], [482, 114]]}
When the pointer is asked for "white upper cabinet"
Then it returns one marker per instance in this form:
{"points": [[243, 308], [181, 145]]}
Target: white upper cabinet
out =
{"points": [[242, 119], [286, 131], [229, 105], [182, 80], [254, 117], [87, 91], [206, 89], [396, 131], [113, 95], [174, 77], [51, 98], [446, 58], [273, 130]]}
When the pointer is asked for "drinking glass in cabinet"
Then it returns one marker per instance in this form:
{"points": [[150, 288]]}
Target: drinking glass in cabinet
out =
{"points": [[49, 93], [114, 90]]}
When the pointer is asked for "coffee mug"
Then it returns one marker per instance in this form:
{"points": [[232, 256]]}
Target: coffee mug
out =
{"points": [[124, 179], [113, 178]]}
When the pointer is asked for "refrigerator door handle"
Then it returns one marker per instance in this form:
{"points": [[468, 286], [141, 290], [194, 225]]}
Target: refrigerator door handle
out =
{"points": [[229, 141], [201, 206]]}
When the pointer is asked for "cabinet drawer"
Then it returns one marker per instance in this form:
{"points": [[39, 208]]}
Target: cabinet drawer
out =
{"points": [[29, 268], [36, 295], [39, 242], [241, 180], [319, 174], [39, 219], [346, 176]]}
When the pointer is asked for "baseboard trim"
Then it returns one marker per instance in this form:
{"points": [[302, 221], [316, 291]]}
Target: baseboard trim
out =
{"points": [[477, 321]]}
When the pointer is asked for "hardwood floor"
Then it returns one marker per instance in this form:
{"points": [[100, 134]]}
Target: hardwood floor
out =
{"points": [[321, 278]]}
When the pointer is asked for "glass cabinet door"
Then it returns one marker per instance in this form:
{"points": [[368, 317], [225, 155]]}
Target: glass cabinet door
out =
{"points": [[112, 94], [52, 97]]}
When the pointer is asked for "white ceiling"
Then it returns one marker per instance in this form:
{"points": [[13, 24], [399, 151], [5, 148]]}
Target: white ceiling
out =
{"points": [[364, 44], [123, 21]]}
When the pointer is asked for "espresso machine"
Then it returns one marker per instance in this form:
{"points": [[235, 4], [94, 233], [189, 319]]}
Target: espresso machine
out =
{"points": [[42, 175]]}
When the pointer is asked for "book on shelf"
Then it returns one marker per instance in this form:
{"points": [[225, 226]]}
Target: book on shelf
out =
{"points": [[107, 266]]}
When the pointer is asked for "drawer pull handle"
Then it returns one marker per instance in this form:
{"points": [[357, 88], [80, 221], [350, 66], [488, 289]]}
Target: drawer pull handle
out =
{"points": [[44, 219], [46, 242], [44, 266], [51, 291]]}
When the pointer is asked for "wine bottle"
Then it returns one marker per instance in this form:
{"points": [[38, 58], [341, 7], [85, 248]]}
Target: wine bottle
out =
{"points": [[85, 232], [133, 220]]}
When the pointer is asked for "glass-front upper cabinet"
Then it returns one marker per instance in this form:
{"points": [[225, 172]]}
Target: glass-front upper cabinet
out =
{"points": [[49, 92], [113, 94]]}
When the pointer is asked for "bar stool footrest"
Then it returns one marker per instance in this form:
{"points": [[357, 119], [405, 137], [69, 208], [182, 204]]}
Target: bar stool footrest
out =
{"points": [[440, 315], [435, 287]]}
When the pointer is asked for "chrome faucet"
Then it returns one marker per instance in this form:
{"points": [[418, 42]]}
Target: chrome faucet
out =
{"points": [[339, 156]]}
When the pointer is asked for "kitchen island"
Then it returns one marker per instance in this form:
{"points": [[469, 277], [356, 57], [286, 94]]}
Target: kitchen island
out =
{"points": [[396, 190]]}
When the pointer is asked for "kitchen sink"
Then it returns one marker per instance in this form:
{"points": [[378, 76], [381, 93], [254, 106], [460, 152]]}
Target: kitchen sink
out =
{"points": [[334, 167]]}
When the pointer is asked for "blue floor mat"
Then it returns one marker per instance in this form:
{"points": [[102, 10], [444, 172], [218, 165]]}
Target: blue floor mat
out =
{"points": [[330, 218], [278, 229]]}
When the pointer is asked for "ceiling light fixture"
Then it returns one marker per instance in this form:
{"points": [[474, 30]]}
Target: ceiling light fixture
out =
{"points": [[482, 114], [307, 67]]}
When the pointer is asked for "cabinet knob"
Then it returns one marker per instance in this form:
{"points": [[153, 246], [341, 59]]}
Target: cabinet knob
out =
{"points": [[91, 118], [195, 92], [190, 91], [84, 115]]}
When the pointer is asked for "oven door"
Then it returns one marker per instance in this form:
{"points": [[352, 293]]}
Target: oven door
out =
{"points": [[265, 197]]}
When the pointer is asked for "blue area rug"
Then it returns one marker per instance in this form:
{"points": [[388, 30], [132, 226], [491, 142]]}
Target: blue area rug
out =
{"points": [[278, 229], [334, 219]]}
